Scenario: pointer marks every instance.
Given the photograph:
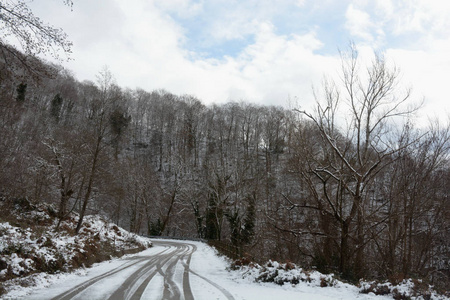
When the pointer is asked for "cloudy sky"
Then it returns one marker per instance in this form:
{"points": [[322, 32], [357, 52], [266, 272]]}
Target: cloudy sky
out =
{"points": [[266, 52]]}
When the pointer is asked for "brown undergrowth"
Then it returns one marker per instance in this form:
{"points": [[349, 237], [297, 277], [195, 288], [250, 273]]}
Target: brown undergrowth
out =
{"points": [[30, 242]]}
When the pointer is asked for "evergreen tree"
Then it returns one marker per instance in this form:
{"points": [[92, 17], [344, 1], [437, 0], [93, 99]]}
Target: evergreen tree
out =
{"points": [[155, 228], [212, 224], [56, 106], [234, 219], [249, 222], [21, 92]]}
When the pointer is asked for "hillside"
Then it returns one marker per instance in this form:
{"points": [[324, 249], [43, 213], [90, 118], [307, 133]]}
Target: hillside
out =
{"points": [[277, 183], [31, 247]]}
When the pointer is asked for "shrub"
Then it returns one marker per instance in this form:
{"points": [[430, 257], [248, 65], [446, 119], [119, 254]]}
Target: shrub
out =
{"points": [[289, 266], [244, 261], [397, 295], [375, 287], [268, 275]]}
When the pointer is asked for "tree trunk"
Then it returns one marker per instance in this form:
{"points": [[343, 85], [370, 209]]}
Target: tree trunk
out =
{"points": [[90, 184], [166, 219], [343, 263]]}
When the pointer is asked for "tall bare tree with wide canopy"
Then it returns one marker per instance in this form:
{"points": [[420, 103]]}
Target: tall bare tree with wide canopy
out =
{"points": [[340, 176]]}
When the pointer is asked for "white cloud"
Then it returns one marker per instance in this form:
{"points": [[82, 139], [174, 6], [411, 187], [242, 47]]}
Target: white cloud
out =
{"points": [[300, 3], [384, 8], [267, 71], [364, 26], [232, 27], [359, 23], [421, 30], [422, 17], [147, 51], [183, 8], [144, 47], [427, 72]]}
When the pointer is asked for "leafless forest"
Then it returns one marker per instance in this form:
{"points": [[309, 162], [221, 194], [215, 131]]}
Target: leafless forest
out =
{"points": [[353, 186]]}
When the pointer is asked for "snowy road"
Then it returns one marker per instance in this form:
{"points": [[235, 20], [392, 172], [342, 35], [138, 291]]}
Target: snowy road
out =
{"points": [[175, 270], [162, 272]]}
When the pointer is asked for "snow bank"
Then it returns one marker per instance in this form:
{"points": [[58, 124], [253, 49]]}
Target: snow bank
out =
{"points": [[30, 244], [290, 274]]}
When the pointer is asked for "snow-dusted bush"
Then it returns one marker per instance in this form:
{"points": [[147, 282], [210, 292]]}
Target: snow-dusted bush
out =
{"points": [[289, 273], [285, 273], [405, 290]]}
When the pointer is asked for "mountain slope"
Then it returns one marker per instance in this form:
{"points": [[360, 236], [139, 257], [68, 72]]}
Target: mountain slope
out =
{"points": [[30, 243]]}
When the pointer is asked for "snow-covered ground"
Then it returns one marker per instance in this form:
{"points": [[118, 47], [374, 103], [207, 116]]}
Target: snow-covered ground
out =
{"points": [[213, 267], [31, 246], [55, 249], [210, 278]]}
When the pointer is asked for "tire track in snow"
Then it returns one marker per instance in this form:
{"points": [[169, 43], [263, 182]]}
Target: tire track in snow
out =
{"points": [[137, 294], [166, 263], [186, 283], [83, 286], [186, 278]]}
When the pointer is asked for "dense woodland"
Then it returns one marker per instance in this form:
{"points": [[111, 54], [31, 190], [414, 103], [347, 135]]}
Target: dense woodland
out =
{"points": [[353, 187]]}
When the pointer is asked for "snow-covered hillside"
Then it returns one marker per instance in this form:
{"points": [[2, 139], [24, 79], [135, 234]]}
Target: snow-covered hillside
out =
{"points": [[31, 247]]}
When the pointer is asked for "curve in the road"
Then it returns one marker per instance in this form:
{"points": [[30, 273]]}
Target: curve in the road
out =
{"points": [[164, 263]]}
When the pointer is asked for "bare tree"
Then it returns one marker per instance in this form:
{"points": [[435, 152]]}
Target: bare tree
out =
{"points": [[35, 37], [97, 130], [341, 175], [416, 205]]}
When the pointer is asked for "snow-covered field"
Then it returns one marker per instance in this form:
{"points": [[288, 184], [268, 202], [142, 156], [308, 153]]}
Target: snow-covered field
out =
{"points": [[210, 278]]}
